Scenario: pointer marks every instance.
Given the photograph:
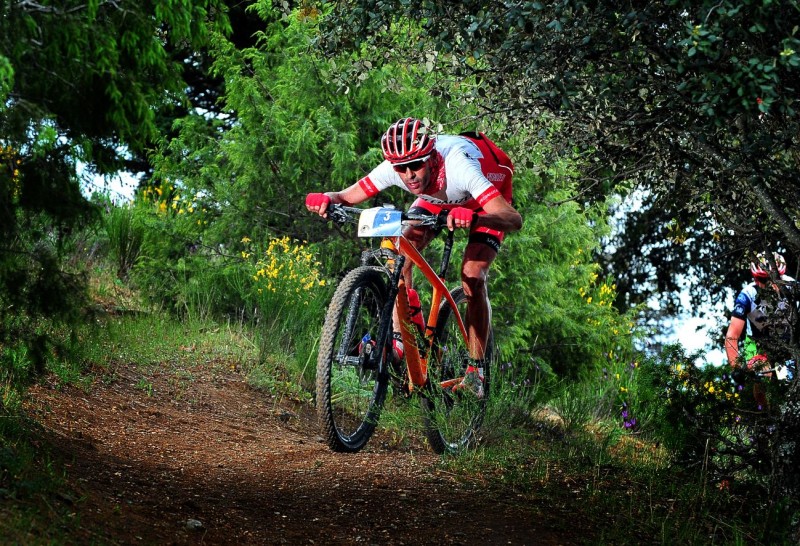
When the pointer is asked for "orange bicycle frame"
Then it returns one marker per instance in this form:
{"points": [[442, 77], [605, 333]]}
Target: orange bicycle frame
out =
{"points": [[416, 363]]}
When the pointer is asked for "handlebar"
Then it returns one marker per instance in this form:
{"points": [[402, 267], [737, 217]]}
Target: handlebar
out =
{"points": [[782, 371], [343, 214]]}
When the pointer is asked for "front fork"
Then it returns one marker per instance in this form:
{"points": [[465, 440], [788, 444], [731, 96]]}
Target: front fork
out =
{"points": [[385, 330], [371, 359], [416, 363]]}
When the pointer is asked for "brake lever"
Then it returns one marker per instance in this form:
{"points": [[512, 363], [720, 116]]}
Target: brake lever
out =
{"points": [[338, 215]]}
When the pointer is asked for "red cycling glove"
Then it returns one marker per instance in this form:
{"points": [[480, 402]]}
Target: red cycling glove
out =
{"points": [[461, 214], [314, 200]]}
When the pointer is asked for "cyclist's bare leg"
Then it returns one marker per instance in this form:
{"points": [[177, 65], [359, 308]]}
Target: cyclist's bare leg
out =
{"points": [[478, 258]]}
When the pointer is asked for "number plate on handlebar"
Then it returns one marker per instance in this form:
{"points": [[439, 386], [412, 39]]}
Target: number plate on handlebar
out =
{"points": [[380, 222]]}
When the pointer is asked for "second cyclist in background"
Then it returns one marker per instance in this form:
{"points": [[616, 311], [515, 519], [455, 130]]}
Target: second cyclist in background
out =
{"points": [[762, 313]]}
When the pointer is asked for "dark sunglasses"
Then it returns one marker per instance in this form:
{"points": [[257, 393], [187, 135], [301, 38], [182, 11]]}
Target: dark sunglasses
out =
{"points": [[414, 166]]}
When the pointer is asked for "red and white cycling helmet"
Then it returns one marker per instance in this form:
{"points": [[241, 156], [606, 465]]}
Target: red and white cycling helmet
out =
{"points": [[407, 140], [762, 266]]}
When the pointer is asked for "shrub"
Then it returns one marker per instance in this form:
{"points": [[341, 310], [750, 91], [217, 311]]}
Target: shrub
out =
{"points": [[125, 231], [290, 297], [709, 420]]}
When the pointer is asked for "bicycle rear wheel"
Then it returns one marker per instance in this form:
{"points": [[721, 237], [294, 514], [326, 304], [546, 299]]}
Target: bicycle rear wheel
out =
{"points": [[351, 376], [452, 420]]}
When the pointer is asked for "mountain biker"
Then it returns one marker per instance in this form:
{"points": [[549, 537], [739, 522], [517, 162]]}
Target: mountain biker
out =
{"points": [[762, 315], [466, 175]]}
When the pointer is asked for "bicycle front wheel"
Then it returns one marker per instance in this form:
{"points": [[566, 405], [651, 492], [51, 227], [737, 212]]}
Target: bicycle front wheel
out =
{"points": [[453, 419], [351, 379]]}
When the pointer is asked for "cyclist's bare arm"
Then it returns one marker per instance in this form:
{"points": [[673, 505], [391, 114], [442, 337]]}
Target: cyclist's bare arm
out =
{"points": [[349, 196], [500, 215], [732, 337]]}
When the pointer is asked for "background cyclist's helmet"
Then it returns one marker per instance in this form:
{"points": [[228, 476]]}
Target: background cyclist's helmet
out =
{"points": [[406, 140], [762, 266]]}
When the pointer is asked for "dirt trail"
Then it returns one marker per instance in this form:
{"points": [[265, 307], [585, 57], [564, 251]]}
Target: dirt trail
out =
{"points": [[208, 460]]}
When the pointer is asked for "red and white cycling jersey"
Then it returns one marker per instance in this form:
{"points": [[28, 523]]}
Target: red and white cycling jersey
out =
{"points": [[465, 172]]}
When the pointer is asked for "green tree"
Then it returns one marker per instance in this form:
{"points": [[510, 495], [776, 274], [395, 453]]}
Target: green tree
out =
{"points": [[80, 83], [297, 130], [694, 101], [307, 123], [553, 310]]}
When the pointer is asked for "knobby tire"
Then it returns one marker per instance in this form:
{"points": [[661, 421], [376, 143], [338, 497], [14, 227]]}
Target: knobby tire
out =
{"points": [[351, 387], [453, 420]]}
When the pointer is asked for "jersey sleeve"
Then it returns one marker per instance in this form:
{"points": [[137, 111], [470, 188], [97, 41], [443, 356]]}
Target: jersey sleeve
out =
{"points": [[742, 306], [380, 178]]}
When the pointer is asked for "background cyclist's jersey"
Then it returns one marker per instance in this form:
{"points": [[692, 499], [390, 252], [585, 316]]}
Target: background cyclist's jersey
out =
{"points": [[746, 307], [469, 177]]}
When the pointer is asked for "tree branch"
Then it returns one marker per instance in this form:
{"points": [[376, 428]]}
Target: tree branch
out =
{"points": [[777, 213]]}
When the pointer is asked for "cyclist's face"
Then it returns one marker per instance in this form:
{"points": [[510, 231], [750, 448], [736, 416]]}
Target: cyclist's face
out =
{"points": [[416, 176]]}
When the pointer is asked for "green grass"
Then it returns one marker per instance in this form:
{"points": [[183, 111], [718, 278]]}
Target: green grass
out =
{"points": [[151, 340], [401, 422], [618, 489], [34, 507], [290, 343]]}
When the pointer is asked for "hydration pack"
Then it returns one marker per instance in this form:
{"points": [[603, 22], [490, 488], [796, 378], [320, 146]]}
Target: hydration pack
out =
{"points": [[771, 318]]}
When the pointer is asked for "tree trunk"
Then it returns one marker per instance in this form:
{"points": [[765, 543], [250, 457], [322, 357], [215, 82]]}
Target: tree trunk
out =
{"points": [[778, 214]]}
